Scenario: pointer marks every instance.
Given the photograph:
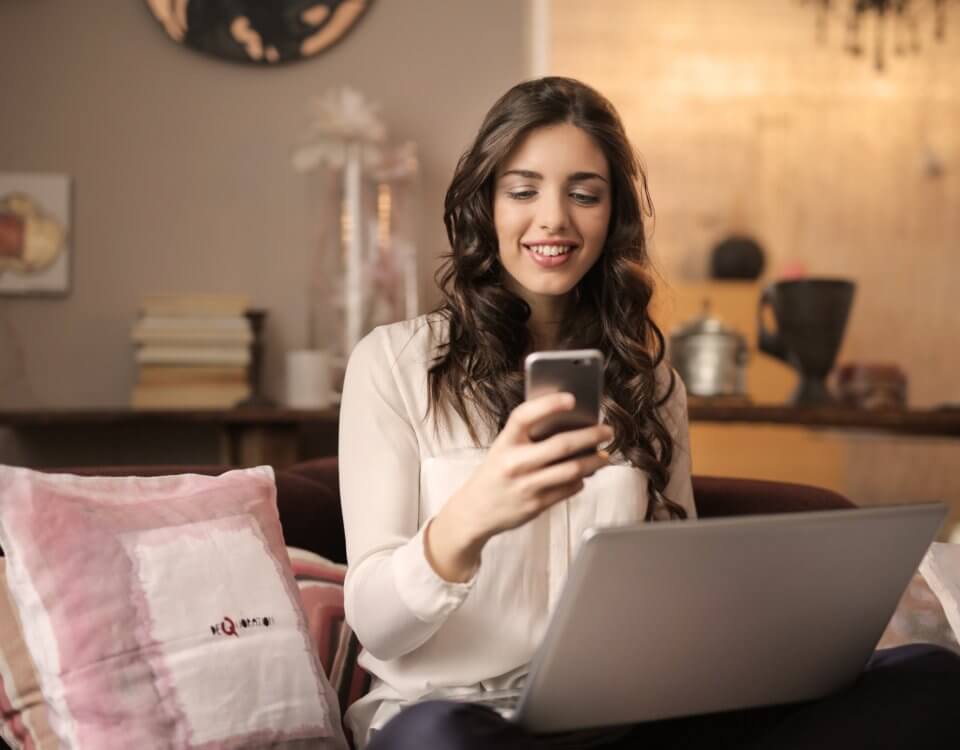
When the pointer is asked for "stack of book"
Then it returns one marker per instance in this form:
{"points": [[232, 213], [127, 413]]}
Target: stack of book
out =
{"points": [[192, 351]]}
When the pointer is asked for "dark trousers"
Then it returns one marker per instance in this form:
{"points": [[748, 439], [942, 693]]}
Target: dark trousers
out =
{"points": [[907, 697]]}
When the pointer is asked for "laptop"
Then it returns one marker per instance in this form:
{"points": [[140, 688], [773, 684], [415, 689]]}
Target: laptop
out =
{"points": [[676, 618]]}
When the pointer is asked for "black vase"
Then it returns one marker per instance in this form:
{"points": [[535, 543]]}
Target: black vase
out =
{"points": [[811, 317]]}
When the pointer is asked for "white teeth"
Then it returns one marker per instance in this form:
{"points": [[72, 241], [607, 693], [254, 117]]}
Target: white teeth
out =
{"points": [[550, 250]]}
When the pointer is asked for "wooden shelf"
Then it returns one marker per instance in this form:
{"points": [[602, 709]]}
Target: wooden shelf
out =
{"points": [[910, 421], [250, 436], [934, 422], [259, 416], [247, 436]]}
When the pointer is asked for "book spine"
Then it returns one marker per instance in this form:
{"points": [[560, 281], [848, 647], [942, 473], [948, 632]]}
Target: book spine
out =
{"points": [[191, 338], [180, 355], [188, 396], [192, 374]]}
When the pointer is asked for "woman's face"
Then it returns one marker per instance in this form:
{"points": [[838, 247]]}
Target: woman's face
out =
{"points": [[551, 209]]}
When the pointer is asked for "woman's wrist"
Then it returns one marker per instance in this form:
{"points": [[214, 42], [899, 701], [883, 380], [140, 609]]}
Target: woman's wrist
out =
{"points": [[452, 548]]}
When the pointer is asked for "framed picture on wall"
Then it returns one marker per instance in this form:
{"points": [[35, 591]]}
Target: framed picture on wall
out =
{"points": [[34, 234]]}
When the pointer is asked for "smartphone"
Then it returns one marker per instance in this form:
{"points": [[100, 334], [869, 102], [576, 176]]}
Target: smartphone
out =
{"points": [[578, 371]]}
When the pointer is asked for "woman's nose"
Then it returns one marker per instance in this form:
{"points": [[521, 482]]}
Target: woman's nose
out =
{"points": [[552, 215]]}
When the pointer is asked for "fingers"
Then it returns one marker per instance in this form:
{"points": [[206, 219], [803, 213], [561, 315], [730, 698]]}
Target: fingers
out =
{"points": [[567, 471], [524, 459], [530, 412]]}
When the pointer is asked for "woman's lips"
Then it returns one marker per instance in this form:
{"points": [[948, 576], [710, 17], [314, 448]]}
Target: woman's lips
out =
{"points": [[550, 261]]}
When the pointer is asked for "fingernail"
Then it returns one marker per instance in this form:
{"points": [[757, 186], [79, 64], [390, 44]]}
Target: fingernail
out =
{"points": [[604, 455]]}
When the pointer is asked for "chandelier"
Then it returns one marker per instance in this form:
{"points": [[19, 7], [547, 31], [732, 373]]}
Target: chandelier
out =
{"points": [[885, 25]]}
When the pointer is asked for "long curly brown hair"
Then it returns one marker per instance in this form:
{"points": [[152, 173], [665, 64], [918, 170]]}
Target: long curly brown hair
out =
{"points": [[479, 372]]}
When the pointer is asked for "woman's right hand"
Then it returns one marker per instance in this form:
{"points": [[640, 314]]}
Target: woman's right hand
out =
{"points": [[518, 480]]}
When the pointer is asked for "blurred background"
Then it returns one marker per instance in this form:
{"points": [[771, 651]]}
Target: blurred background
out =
{"points": [[827, 137]]}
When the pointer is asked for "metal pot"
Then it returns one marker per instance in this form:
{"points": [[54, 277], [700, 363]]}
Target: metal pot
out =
{"points": [[710, 357]]}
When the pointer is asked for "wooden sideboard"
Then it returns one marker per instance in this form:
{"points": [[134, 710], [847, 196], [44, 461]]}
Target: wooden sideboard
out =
{"points": [[930, 422], [271, 435], [246, 437]]}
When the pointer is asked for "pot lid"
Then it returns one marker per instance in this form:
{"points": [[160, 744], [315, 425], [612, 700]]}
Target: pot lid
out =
{"points": [[705, 323]]}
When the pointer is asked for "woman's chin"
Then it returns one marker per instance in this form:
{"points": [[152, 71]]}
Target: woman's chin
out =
{"points": [[549, 287]]}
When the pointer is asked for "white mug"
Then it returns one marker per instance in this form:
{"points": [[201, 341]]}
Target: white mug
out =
{"points": [[308, 379]]}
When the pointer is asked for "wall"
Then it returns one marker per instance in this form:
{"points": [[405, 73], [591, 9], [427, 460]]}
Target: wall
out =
{"points": [[747, 124], [181, 166]]}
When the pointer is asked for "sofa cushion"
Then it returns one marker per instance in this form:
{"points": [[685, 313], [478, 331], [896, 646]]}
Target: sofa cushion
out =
{"points": [[162, 609], [321, 587], [727, 496], [25, 721], [308, 497]]}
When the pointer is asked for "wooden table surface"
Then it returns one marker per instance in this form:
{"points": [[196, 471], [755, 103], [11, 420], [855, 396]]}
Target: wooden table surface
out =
{"points": [[247, 436], [945, 422], [39, 417]]}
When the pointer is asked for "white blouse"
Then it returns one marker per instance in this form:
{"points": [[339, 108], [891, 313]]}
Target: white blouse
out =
{"points": [[423, 636]]}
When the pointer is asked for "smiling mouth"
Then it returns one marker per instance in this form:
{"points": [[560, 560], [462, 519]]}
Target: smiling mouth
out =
{"points": [[550, 251]]}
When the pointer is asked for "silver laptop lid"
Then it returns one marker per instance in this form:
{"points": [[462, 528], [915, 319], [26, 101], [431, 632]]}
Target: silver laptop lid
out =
{"points": [[677, 618]]}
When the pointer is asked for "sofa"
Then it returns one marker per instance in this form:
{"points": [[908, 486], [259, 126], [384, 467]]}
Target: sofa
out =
{"points": [[308, 499], [308, 502]]}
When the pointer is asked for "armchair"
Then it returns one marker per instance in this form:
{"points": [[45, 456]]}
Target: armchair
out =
{"points": [[308, 500]]}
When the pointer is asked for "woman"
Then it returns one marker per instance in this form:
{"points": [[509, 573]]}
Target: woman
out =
{"points": [[459, 528]]}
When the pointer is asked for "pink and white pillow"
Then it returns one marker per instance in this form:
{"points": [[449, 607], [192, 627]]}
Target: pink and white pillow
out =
{"points": [[162, 611], [24, 722]]}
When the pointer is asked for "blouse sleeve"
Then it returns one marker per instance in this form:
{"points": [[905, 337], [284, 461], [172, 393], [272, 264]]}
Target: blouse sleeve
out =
{"points": [[394, 600], [680, 487]]}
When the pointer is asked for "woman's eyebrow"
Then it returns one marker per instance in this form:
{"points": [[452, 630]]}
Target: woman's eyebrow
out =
{"points": [[528, 174], [581, 176], [575, 177]]}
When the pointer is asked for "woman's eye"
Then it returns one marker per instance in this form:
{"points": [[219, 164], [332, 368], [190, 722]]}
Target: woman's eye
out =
{"points": [[521, 195], [584, 198]]}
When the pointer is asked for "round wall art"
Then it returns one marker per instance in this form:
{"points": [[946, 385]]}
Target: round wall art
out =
{"points": [[254, 31]]}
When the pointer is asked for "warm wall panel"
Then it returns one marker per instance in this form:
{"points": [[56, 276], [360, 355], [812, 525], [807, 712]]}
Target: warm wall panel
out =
{"points": [[746, 123]]}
